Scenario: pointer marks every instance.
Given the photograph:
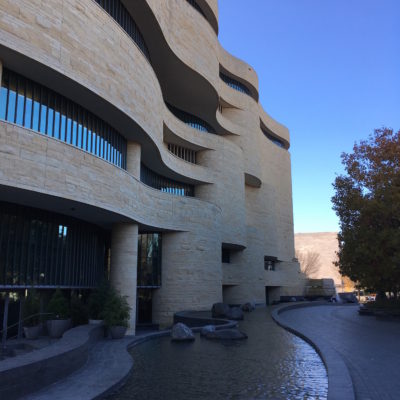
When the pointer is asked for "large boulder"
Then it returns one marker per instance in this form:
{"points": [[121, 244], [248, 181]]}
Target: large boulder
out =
{"points": [[248, 307], [226, 334], [181, 332], [220, 310], [207, 329], [235, 313]]}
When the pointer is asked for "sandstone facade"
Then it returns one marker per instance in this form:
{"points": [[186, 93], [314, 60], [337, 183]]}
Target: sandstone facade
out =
{"points": [[242, 204]]}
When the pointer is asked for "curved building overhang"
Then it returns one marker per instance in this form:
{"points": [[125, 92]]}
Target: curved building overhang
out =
{"points": [[173, 71], [210, 10]]}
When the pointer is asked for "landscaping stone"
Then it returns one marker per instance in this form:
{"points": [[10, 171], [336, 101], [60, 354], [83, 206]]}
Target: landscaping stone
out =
{"points": [[220, 310], [181, 332], [248, 307], [226, 334], [207, 329], [235, 313]]}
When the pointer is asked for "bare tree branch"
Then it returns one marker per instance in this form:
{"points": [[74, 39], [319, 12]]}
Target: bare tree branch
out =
{"points": [[310, 262]]}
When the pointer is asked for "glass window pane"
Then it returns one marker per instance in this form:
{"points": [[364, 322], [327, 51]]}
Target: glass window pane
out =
{"points": [[36, 108], [56, 132], [43, 118], [20, 104], [50, 121], [28, 105], [3, 102], [11, 105]]}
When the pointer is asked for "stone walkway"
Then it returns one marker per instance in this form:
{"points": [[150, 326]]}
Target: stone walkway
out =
{"points": [[369, 347], [106, 369]]}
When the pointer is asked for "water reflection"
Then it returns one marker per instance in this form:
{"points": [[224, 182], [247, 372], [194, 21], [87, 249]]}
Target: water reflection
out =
{"points": [[271, 364]]}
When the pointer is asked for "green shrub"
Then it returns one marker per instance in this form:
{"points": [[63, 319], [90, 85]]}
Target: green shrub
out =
{"points": [[58, 306], [79, 311], [97, 301], [117, 310], [31, 307]]}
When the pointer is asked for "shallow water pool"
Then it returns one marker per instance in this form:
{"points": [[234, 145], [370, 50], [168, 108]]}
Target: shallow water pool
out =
{"points": [[271, 364]]}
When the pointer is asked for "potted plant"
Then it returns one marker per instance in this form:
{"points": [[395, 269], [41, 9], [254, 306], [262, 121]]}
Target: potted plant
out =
{"points": [[97, 303], [116, 314], [59, 307], [31, 315]]}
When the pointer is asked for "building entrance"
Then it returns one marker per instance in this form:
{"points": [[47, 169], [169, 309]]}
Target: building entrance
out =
{"points": [[144, 306]]}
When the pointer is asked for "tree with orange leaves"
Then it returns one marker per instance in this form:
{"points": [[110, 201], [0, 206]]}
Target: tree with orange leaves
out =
{"points": [[367, 201]]}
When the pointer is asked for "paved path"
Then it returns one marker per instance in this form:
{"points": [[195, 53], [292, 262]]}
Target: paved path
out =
{"points": [[369, 347]]}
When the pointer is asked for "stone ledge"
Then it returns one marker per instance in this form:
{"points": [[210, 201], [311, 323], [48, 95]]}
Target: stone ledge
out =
{"points": [[340, 385], [33, 371]]}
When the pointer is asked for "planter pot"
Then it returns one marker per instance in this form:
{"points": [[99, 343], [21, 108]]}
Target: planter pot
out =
{"points": [[95, 321], [32, 332], [118, 332], [57, 327]]}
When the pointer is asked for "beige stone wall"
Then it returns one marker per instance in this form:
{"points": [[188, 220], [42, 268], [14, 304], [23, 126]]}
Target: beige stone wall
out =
{"points": [[76, 41], [124, 265]]}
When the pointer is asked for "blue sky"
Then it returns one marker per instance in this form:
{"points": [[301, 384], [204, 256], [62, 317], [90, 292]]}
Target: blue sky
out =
{"points": [[330, 71]]}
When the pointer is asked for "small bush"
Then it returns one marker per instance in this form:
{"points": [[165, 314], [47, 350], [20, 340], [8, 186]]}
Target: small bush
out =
{"points": [[117, 310], [97, 301], [58, 305]]}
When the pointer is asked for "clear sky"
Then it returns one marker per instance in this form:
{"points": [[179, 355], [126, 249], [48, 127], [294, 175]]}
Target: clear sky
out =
{"points": [[330, 71]]}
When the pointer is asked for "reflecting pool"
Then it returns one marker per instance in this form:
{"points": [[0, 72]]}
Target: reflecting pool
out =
{"points": [[271, 364]]}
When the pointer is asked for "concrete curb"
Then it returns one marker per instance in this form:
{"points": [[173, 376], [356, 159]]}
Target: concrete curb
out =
{"points": [[43, 367], [340, 384]]}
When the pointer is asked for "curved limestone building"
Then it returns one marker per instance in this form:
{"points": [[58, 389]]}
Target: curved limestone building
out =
{"points": [[133, 145]]}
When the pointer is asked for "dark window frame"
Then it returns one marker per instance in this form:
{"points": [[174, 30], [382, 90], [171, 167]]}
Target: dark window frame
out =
{"points": [[225, 256], [164, 184], [70, 117], [234, 84], [43, 249]]}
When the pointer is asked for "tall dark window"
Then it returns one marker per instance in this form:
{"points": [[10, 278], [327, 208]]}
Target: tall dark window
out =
{"points": [[191, 120], [164, 184], [121, 15], [149, 260], [234, 84], [272, 138], [226, 256], [270, 263], [28, 104], [43, 249]]}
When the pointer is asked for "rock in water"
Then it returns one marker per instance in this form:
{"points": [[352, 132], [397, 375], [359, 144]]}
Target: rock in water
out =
{"points": [[207, 329], [181, 332], [235, 313], [219, 310], [226, 334], [248, 307]]}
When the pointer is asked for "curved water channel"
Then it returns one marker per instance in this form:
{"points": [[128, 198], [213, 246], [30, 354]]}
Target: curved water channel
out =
{"points": [[271, 364]]}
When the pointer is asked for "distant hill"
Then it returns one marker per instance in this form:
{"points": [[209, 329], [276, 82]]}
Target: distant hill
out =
{"points": [[326, 245]]}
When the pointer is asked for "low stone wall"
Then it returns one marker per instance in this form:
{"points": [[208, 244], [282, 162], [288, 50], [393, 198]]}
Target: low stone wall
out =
{"points": [[33, 371]]}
